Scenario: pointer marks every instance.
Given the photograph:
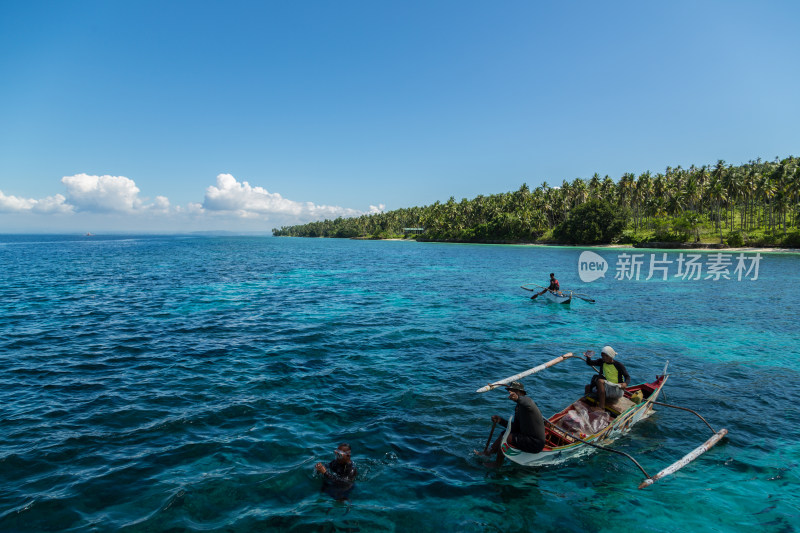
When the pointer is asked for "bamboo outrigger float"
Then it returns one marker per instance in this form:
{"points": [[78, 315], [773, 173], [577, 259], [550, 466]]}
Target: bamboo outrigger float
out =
{"points": [[562, 443]]}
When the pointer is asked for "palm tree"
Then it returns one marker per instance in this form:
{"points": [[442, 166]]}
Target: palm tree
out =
{"points": [[691, 191], [580, 191], [767, 190], [625, 189], [594, 184], [607, 189], [642, 192], [693, 220], [717, 194], [675, 196]]}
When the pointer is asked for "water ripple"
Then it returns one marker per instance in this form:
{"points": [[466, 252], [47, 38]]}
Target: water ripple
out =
{"points": [[172, 384]]}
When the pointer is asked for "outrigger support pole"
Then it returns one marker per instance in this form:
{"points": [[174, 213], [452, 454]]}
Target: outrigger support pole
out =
{"points": [[570, 435], [685, 409], [521, 375]]}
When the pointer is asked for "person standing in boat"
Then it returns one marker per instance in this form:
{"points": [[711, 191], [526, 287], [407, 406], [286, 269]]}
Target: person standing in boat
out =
{"points": [[527, 428], [554, 286], [610, 383], [340, 474]]}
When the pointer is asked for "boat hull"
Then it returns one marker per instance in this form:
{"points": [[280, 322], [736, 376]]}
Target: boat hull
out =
{"points": [[559, 454], [558, 297]]}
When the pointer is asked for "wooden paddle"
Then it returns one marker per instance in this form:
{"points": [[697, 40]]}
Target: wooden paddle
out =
{"points": [[489, 440]]}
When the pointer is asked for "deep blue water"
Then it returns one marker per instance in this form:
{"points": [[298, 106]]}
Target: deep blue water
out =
{"points": [[191, 383]]}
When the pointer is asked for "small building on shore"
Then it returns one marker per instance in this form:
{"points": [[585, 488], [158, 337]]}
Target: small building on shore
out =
{"points": [[413, 231]]}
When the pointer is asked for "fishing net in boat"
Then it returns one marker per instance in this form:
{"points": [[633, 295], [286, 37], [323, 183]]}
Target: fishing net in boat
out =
{"points": [[580, 419]]}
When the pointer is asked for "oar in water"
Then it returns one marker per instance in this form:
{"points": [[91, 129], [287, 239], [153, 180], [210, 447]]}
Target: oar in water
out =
{"points": [[489, 440], [584, 298], [521, 375], [534, 290]]}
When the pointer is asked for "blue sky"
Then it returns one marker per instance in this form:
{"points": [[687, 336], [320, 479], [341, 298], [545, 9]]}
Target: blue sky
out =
{"points": [[243, 116]]}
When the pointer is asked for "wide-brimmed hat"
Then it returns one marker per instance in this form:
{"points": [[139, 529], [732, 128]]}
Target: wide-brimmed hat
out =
{"points": [[516, 385], [609, 351]]}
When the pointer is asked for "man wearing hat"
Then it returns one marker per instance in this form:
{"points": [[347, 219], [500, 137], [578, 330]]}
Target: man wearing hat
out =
{"points": [[612, 379], [527, 427]]}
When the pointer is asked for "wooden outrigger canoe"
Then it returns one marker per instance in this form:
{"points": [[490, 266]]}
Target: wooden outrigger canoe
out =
{"points": [[559, 297], [562, 444]]}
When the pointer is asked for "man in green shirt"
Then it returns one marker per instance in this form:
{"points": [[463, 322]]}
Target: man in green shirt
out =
{"points": [[610, 383]]}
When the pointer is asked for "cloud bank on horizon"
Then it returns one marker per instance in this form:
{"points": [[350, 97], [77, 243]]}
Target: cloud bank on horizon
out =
{"points": [[229, 198], [246, 201]]}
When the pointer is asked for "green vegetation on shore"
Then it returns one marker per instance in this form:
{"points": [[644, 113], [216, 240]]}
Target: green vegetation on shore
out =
{"points": [[754, 204]]}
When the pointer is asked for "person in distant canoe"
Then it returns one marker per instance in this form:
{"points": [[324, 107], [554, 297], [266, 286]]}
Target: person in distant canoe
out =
{"points": [[527, 428], [554, 286], [340, 474], [611, 382]]}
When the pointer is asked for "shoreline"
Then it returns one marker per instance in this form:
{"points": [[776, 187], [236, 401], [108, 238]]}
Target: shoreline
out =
{"points": [[670, 246]]}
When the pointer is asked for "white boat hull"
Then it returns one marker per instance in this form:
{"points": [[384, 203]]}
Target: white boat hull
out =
{"points": [[559, 297]]}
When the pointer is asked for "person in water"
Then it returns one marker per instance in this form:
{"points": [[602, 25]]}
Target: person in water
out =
{"points": [[527, 427], [554, 286], [340, 474], [611, 382]]}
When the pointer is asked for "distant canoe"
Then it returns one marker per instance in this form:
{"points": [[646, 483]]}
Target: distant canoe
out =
{"points": [[559, 297]]}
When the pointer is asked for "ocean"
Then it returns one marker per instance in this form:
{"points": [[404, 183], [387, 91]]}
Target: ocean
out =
{"points": [[187, 383]]}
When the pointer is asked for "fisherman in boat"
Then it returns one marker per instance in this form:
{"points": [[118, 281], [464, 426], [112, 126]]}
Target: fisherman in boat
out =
{"points": [[339, 475], [611, 382], [554, 286], [527, 428]]}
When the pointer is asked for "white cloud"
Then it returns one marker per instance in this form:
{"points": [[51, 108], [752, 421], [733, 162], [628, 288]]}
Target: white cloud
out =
{"points": [[160, 205], [115, 201], [14, 204], [110, 194], [102, 194], [53, 204], [49, 205], [246, 201], [193, 208]]}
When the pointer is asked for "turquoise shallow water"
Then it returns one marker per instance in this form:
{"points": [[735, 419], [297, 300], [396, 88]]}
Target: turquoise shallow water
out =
{"points": [[190, 384]]}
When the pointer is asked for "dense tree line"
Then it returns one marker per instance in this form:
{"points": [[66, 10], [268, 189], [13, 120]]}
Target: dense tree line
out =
{"points": [[736, 203], [594, 222]]}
